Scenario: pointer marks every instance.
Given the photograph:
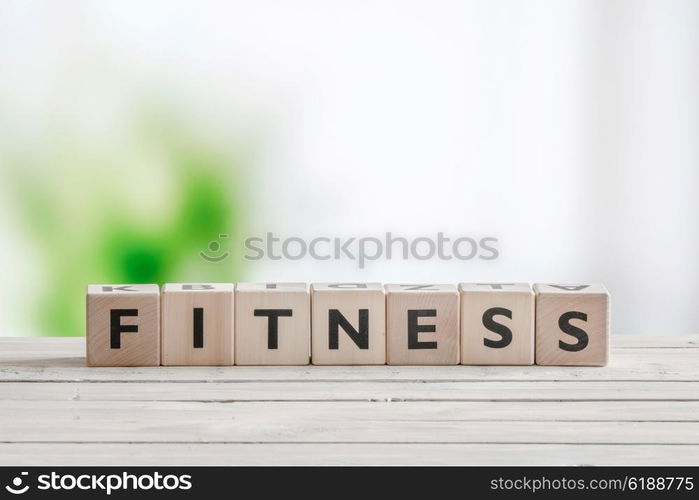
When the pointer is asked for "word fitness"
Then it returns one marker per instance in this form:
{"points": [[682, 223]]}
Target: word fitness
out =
{"points": [[347, 324]]}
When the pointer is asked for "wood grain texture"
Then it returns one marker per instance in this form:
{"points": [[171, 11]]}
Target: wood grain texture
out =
{"points": [[215, 344], [350, 300], [137, 307], [381, 422], [291, 344], [153, 454], [575, 308], [618, 397], [641, 409], [662, 364], [511, 305], [431, 312], [653, 359]]}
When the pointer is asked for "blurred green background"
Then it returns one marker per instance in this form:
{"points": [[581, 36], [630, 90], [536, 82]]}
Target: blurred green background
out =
{"points": [[141, 207]]}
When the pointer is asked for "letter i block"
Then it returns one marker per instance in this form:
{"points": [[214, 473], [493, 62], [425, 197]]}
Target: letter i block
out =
{"points": [[572, 325], [197, 324], [497, 324], [123, 325], [422, 324], [348, 324], [272, 324]]}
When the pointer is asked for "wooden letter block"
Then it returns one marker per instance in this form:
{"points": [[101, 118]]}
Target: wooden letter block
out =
{"points": [[422, 324], [197, 324], [272, 324], [497, 324], [572, 325], [123, 325], [348, 324]]}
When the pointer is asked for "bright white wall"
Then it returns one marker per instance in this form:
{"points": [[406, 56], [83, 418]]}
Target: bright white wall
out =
{"points": [[568, 129]]}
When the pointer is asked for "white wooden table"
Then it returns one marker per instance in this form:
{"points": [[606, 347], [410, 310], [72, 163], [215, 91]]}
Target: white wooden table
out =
{"points": [[641, 409]]}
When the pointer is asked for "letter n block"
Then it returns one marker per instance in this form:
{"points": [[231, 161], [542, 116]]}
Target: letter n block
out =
{"points": [[348, 324], [572, 325], [497, 324], [272, 324], [197, 324], [422, 324], [123, 325]]}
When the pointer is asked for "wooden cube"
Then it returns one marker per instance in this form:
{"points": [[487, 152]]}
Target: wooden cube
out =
{"points": [[123, 325], [272, 324], [497, 324], [422, 324], [197, 325], [572, 325], [348, 324]]}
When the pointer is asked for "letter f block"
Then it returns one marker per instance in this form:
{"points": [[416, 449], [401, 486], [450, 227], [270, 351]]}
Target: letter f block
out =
{"points": [[123, 325]]}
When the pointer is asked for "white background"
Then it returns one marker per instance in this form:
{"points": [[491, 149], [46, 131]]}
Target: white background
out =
{"points": [[567, 129]]}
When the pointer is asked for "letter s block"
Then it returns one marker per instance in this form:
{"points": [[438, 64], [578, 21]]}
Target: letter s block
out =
{"points": [[197, 324], [572, 325], [123, 325], [497, 324], [348, 324]]}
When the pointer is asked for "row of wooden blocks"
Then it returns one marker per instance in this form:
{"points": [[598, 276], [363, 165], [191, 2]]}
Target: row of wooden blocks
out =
{"points": [[347, 324]]}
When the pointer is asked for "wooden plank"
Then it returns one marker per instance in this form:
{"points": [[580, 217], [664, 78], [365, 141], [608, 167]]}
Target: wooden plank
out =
{"points": [[51, 454], [184, 422], [63, 359], [642, 409], [647, 341], [463, 411], [676, 364], [352, 391]]}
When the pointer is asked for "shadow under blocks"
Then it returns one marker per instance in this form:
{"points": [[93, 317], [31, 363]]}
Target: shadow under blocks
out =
{"points": [[223, 324]]}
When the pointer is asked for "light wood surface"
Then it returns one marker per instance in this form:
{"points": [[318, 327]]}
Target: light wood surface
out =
{"points": [[643, 408], [123, 325], [212, 343], [511, 340], [431, 312], [572, 324], [358, 305], [290, 305]]}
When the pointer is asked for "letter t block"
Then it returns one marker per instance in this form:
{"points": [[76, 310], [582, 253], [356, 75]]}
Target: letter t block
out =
{"points": [[272, 324], [123, 325]]}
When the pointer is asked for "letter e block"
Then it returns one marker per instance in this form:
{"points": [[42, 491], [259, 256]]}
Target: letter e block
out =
{"points": [[497, 324], [272, 324], [348, 324], [123, 325], [572, 325], [197, 324], [422, 324]]}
